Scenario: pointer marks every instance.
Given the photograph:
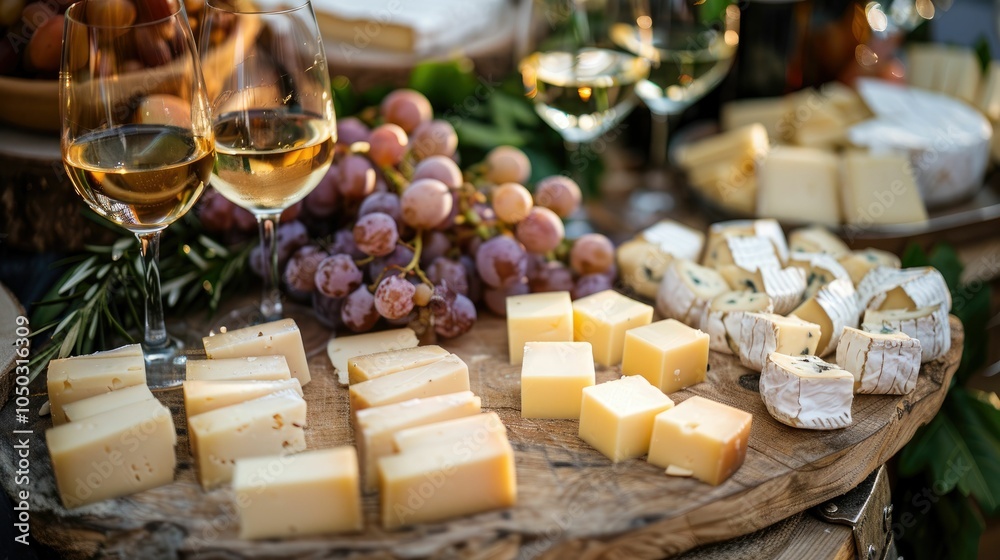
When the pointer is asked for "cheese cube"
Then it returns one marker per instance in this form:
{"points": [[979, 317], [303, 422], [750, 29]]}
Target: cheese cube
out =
{"points": [[799, 185], [602, 319], [342, 349], [250, 368], [201, 396], [764, 333], [375, 427], [438, 482], [90, 406], [553, 377], [669, 354], [544, 317], [308, 493], [277, 337], [73, 379], [880, 189], [616, 418], [467, 430], [860, 263], [269, 425], [370, 366], [705, 437], [768, 111], [447, 375], [112, 454]]}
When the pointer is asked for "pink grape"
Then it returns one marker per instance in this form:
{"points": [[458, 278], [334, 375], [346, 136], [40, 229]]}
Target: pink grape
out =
{"points": [[444, 270], [511, 202], [358, 312], [560, 194], [300, 272], [501, 261], [592, 253], [507, 164], [441, 168], [387, 145], [351, 130], [343, 242], [327, 310], [394, 297], [590, 284], [385, 202], [357, 176], [337, 275], [436, 244], [322, 202], [425, 203], [376, 234], [434, 138], [553, 276], [496, 298], [407, 108], [541, 231], [399, 257], [215, 212]]}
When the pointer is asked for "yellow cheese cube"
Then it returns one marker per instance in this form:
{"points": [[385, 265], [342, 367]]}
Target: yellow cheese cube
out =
{"points": [[343, 348], [669, 354], [447, 375], [73, 379], [602, 319], [309, 493], [799, 185], [553, 377], [880, 189], [616, 418], [113, 454], [375, 427], [370, 366], [468, 430], [259, 368], [91, 406], [545, 317], [277, 337], [703, 436], [202, 396]]}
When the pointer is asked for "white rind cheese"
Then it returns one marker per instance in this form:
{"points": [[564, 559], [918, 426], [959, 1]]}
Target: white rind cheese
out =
{"points": [[929, 325], [686, 290], [882, 363], [909, 289], [834, 307], [817, 239], [806, 392], [723, 318], [784, 286], [820, 268], [764, 333]]}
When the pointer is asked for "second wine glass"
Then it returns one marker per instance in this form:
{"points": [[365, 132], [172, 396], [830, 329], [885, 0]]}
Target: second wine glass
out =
{"points": [[272, 113]]}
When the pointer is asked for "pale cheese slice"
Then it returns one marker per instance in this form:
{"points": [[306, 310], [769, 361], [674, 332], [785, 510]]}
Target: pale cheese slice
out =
{"points": [[686, 290], [806, 392], [929, 325], [784, 286], [817, 239], [723, 318], [883, 363], [764, 333], [820, 268], [834, 307], [860, 263], [341, 349], [909, 289]]}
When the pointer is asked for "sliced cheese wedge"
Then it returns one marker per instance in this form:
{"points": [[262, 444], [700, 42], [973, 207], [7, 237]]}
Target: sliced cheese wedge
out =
{"points": [[784, 286], [834, 307], [817, 239], [820, 268], [929, 325], [686, 290], [806, 392], [860, 263], [764, 333], [883, 363], [909, 288], [723, 318]]}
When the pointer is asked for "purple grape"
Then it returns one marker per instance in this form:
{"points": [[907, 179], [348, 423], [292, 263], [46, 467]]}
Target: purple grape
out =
{"points": [[496, 298], [376, 234], [327, 310], [357, 176], [551, 277], [501, 261], [441, 168], [399, 257], [394, 297], [453, 272], [300, 272], [351, 130], [337, 275], [358, 312], [590, 284], [436, 244]]}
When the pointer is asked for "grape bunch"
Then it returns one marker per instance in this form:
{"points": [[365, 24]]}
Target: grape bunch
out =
{"points": [[397, 234]]}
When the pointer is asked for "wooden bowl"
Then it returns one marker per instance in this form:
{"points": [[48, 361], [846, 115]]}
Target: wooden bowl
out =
{"points": [[30, 104]]}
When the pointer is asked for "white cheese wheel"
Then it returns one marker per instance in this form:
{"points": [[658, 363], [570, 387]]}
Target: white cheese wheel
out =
{"points": [[686, 290], [929, 325], [883, 363], [806, 392], [764, 333]]}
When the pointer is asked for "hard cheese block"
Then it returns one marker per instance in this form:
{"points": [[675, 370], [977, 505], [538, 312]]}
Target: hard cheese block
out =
{"points": [[806, 392], [270, 425], [764, 333], [705, 437], [544, 317], [880, 189], [277, 337], [616, 417], [669, 354], [686, 290], [342, 349], [834, 307], [202, 396], [308, 493], [112, 454], [447, 375], [883, 363], [74, 379], [91, 406], [470, 465], [799, 185], [375, 427], [602, 319], [370, 366], [259, 368], [553, 376]]}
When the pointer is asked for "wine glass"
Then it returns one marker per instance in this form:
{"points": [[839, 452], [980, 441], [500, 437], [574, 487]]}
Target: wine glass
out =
{"points": [[136, 135], [272, 113], [690, 45]]}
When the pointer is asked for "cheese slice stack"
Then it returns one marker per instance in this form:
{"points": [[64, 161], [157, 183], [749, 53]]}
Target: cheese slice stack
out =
{"points": [[929, 325], [834, 307], [686, 290], [806, 392], [723, 319], [817, 239], [342, 349], [784, 286], [883, 363], [765, 333]]}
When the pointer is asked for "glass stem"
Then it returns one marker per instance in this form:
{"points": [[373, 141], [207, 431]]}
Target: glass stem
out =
{"points": [[658, 134], [155, 332], [270, 299]]}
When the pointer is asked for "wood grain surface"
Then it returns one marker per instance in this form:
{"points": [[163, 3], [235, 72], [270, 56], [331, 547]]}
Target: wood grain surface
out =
{"points": [[573, 502]]}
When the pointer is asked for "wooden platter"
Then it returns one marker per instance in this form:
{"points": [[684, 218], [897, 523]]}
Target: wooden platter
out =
{"points": [[573, 503]]}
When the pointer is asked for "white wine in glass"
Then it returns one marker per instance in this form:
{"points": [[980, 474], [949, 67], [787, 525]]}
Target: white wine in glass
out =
{"points": [[273, 119], [136, 137]]}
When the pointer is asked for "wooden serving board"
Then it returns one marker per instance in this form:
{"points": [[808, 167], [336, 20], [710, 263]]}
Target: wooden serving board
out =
{"points": [[572, 503]]}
